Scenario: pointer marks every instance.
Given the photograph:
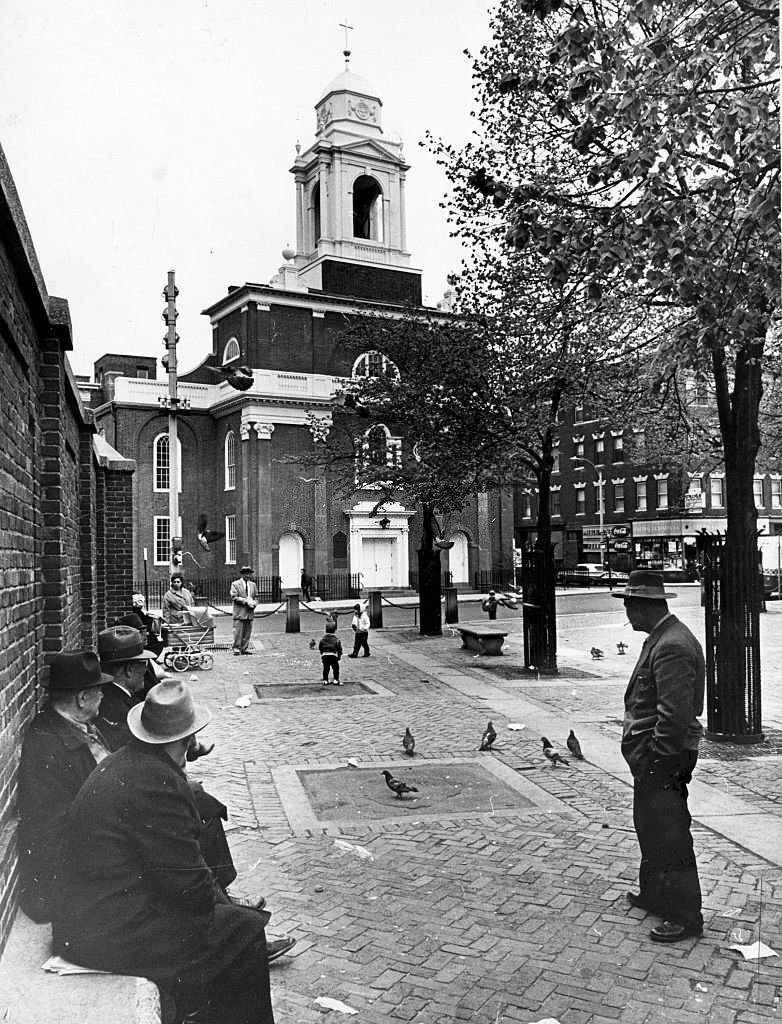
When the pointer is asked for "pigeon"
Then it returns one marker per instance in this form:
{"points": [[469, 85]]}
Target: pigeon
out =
{"points": [[313, 644], [489, 736], [621, 647], [574, 746], [408, 742], [596, 653], [552, 753], [239, 377], [397, 786], [205, 536]]}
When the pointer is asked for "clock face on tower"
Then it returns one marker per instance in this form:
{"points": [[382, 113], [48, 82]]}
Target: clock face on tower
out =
{"points": [[362, 110]]}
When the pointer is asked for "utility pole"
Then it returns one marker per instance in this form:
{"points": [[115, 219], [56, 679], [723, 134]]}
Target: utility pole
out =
{"points": [[172, 403]]}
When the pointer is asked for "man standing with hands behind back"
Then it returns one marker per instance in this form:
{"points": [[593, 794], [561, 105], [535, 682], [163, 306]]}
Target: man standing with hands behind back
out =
{"points": [[244, 596], [660, 744]]}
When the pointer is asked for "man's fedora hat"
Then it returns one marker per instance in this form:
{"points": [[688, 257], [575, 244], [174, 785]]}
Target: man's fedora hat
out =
{"points": [[168, 713], [646, 584], [245, 568], [122, 643], [76, 670]]}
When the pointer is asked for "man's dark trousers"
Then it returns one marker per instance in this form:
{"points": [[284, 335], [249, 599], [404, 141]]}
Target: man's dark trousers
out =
{"points": [[668, 875], [360, 639]]}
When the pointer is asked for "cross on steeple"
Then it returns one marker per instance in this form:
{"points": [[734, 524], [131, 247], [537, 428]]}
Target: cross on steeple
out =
{"points": [[346, 51]]}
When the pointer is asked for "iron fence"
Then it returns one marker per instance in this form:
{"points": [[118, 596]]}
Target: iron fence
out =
{"points": [[336, 586], [493, 579], [208, 590]]}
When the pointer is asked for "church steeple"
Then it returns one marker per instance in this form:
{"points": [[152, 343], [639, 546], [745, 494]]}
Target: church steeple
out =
{"points": [[350, 198]]}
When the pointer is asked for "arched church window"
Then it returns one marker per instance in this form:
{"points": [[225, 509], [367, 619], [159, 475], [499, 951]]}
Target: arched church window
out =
{"points": [[367, 209], [316, 215], [374, 364], [161, 463], [230, 461], [231, 351], [339, 548]]}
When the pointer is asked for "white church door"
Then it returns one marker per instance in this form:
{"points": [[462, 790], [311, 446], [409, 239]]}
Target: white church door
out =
{"points": [[379, 562], [291, 560], [458, 559]]}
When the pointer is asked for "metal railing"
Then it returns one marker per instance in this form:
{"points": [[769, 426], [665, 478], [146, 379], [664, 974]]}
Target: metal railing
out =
{"points": [[336, 586], [493, 579], [209, 590]]}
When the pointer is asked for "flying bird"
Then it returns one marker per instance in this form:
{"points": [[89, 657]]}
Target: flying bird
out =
{"points": [[552, 754], [596, 653], [206, 536], [239, 377], [408, 742], [574, 746], [397, 786], [489, 736]]}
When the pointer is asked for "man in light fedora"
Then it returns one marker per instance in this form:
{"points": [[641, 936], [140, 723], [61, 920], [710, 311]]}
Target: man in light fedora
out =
{"points": [[244, 595], [660, 740], [137, 897], [60, 749]]}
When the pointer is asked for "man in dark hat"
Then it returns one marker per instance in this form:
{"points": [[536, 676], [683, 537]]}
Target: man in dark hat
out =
{"points": [[244, 595], [136, 896], [660, 744], [60, 749]]}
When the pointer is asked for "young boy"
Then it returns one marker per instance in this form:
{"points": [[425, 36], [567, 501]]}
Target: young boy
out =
{"points": [[330, 648]]}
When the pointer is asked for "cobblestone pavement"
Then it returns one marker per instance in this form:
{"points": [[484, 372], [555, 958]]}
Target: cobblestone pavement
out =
{"points": [[406, 911]]}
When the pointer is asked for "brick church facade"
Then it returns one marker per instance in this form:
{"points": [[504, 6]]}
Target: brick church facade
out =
{"points": [[236, 447]]}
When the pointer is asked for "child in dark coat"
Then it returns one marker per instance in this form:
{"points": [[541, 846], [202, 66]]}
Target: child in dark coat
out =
{"points": [[330, 648]]}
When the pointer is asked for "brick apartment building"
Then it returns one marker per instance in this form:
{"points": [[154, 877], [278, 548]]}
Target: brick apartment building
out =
{"points": [[350, 259], [65, 523]]}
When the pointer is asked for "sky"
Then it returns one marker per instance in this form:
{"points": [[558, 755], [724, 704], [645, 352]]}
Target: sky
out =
{"points": [[157, 135]]}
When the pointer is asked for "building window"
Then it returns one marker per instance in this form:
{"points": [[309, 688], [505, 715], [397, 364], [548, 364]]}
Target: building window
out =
{"points": [[230, 540], [640, 495], [580, 499], [556, 503], [619, 496], [776, 492], [619, 448], [162, 541], [161, 468], [700, 392], [578, 414], [717, 491], [230, 461], [231, 351], [316, 215], [527, 500], [367, 209], [578, 446], [339, 549], [555, 457], [662, 492], [374, 364], [757, 487], [380, 449], [142, 373], [600, 450]]}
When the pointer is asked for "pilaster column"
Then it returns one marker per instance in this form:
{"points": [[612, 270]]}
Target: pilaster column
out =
{"points": [[263, 490]]}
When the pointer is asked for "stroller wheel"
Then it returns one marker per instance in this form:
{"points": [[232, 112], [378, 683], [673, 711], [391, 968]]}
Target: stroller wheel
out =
{"points": [[167, 659], [180, 663], [207, 661]]}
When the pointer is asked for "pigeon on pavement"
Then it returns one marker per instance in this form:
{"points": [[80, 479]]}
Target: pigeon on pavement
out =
{"points": [[596, 653], [574, 746], [489, 736], [408, 742], [397, 786], [552, 753]]}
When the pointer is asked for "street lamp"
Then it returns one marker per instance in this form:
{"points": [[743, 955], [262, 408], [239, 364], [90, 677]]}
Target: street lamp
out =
{"points": [[601, 512]]}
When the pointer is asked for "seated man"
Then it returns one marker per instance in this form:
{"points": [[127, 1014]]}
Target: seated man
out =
{"points": [[60, 749], [123, 657], [135, 894]]}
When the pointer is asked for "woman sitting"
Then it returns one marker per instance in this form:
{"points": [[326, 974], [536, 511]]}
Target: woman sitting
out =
{"points": [[176, 601]]}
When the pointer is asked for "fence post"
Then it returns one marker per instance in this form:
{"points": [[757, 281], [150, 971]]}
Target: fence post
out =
{"points": [[451, 605], [376, 609], [292, 614]]}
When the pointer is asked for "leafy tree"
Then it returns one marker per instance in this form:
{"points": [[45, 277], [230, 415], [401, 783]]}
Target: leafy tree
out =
{"points": [[668, 113]]}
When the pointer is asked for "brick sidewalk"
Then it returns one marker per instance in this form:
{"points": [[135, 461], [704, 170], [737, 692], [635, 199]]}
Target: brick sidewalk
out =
{"points": [[489, 916]]}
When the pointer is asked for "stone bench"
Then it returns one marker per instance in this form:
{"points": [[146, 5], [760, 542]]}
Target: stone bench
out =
{"points": [[484, 641], [30, 995]]}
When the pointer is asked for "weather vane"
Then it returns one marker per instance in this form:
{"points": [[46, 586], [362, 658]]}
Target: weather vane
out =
{"points": [[346, 51]]}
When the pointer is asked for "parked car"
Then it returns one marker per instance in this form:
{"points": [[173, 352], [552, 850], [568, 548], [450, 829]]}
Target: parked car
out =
{"points": [[585, 574], [616, 579]]}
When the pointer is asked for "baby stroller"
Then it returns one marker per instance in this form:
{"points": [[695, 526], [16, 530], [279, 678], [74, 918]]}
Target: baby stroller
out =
{"points": [[185, 641]]}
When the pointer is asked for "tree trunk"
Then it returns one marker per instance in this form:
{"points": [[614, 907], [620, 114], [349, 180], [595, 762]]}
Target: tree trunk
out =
{"points": [[734, 695], [429, 576]]}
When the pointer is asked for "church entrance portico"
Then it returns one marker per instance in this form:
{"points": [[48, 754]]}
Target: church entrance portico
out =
{"points": [[379, 544]]}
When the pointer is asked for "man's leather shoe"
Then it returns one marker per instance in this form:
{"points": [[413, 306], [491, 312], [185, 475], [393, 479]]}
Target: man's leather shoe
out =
{"points": [[669, 931], [277, 947], [352, 655], [250, 903], [635, 899]]}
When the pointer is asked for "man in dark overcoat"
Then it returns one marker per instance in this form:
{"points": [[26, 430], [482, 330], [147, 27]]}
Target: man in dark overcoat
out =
{"points": [[137, 897], [660, 740], [60, 749]]}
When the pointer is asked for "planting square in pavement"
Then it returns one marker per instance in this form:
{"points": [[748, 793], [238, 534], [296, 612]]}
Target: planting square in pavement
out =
{"points": [[316, 796], [291, 691]]}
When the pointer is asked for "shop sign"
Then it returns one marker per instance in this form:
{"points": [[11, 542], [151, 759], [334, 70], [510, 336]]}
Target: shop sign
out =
{"points": [[620, 531], [622, 545]]}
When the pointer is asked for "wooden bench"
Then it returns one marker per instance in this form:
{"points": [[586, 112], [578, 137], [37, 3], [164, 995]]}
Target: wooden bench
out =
{"points": [[30, 995], [484, 641]]}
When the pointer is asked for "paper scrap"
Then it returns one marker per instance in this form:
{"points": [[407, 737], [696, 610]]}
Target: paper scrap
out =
{"points": [[193, 679], [334, 1004], [351, 763], [244, 701], [756, 951], [516, 726], [56, 965], [546, 1020], [359, 851]]}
